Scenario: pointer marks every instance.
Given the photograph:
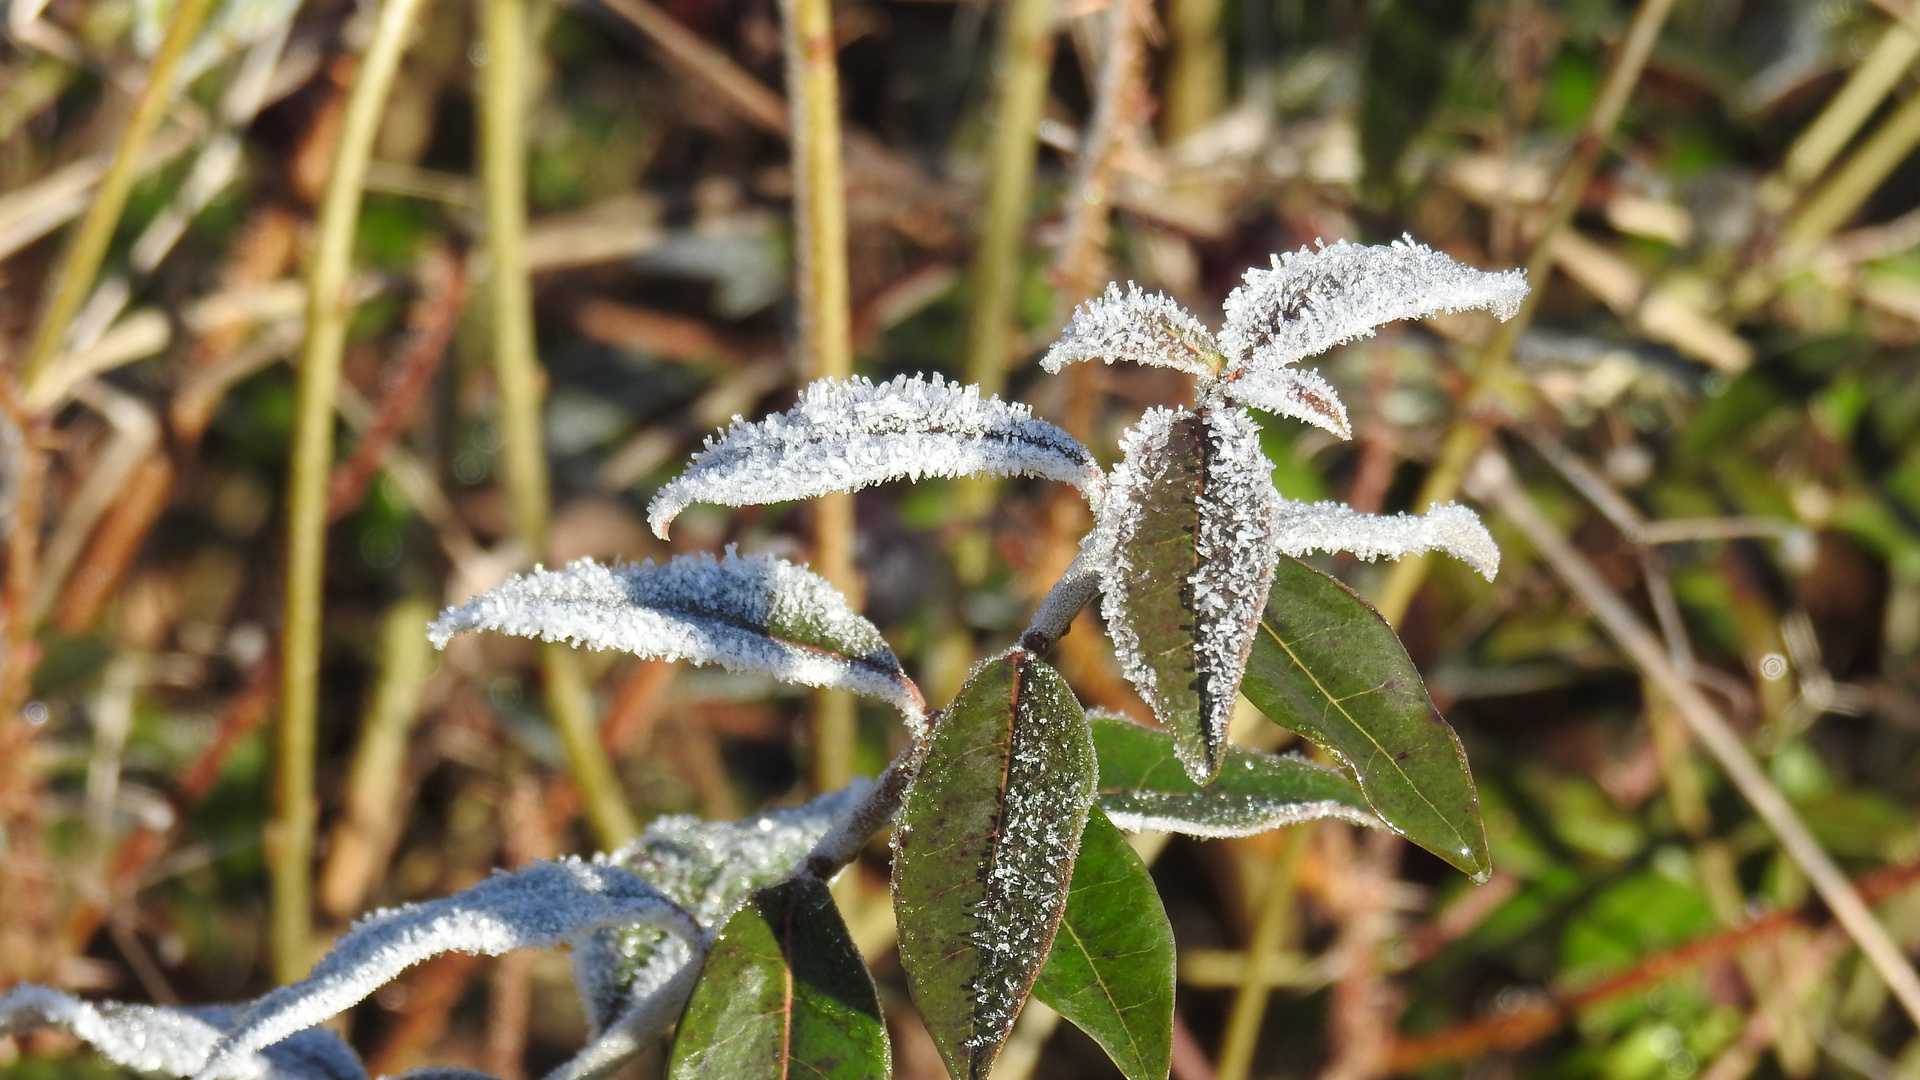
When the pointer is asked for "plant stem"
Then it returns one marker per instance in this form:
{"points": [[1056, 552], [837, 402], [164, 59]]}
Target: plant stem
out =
{"points": [[826, 340], [1196, 68], [89, 250], [1468, 433], [1494, 482], [1270, 931], [328, 307], [1829, 207], [503, 106], [1024, 62]]}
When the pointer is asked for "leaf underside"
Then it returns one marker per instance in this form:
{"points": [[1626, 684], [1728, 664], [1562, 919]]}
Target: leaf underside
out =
{"points": [[984, 850], [709, 868], [1327, 666], [849, 434], [1191, 515], [1143, 786], [746, 613], [783, 994], [1111, 971]]}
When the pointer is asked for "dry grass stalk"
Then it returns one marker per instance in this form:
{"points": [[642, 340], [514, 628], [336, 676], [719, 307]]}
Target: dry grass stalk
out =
{"points": [[328, 311], [1467, 433]]}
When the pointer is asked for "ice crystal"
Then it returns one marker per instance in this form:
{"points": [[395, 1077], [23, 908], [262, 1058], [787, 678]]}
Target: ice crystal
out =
{"points": [[174, 1041], [844, 436], [1139, 327], [1331, 526], [746, 613], [1297, 393], [543, 906], [709, 869], [1153, 812], [1228, 566], [1042, 814], [1312, 300]]}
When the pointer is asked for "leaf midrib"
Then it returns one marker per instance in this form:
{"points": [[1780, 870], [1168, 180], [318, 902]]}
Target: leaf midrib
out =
{"points": [[1379, 750]]}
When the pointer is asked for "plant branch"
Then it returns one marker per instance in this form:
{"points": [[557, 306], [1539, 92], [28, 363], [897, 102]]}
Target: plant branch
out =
{"points": [[871, 814], [1468, 432], [1492, 480], [1054, 617], [329, 306], [90, 244]]}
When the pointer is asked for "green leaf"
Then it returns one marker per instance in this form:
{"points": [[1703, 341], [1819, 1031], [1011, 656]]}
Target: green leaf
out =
{"points": [[1190, 517], [984, 851], [1111, 969], [1327, 666], [1142, 786], [783, 993]]}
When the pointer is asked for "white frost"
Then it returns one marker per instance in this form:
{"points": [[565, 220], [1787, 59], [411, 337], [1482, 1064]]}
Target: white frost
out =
{"points": [[1146, 812], [174, 1041], [1136, 326], [1298, 393], [844, 436], [746, 613], [1312, 300], [543, 906], [709, 869], [1232, 562], [1332, 526]]}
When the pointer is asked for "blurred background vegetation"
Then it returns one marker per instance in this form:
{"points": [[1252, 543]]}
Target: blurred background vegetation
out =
{"points": [[1716, 398]]}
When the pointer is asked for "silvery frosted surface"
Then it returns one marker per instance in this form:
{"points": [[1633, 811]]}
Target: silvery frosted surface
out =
{"points": [[1332, 526], [1296, 393], [1142, 462], [1149, 811], [753, 613], [844, 436], [1234, 565], [173, 1041], [1233, 554], [709, 868], [1136, 326], [1312, 300], [542, 906]]}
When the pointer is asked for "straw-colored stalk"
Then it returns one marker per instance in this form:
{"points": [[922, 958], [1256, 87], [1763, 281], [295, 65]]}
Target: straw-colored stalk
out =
{"points": [[826, 337], [503, 108], [329, 306], [89, 250]]}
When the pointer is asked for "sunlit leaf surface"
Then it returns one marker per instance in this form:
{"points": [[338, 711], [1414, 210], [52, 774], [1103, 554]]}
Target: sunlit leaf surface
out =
{"points": [[1111, 970], [984, 850], [784, 994], [1143, 786], [1327, 666]]}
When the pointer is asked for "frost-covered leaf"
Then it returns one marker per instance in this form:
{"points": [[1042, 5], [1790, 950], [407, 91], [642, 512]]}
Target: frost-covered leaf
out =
{"points": [[1111, 969], [174, 1041], [1328, 667], [1143, 787], [1139, 327], [709, 869], [1331, 526], [984, 850], [1190, 520], [1312, 300], [784, 994], [1298, 393], [542, 906], [844, 436], [745, 613]]}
